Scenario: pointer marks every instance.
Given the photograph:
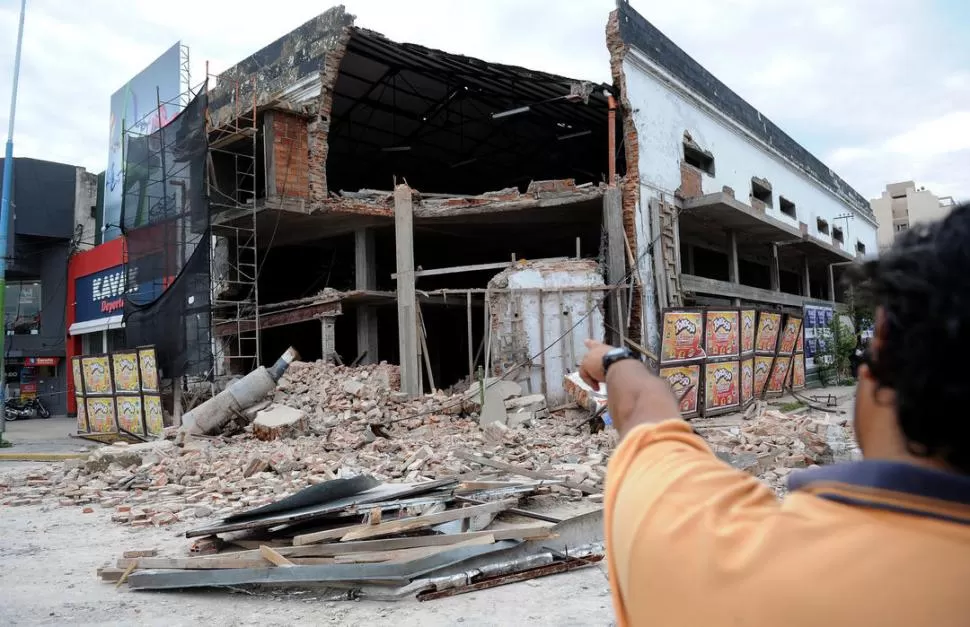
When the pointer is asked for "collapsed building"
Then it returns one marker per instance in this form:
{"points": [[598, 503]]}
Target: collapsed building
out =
{"points": [[375, 200]]}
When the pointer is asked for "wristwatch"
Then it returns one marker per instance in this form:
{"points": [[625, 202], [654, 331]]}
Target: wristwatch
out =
{"points": [[617, 354]]}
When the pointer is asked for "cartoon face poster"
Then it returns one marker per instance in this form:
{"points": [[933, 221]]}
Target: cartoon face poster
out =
{"points": [[798, 371], [125, 366], [748, 317], [779, 375], [97, 375], [82, 415], [682, 379], [722, 386], [153, 414], [76, 372], [722, 337], [129, 414], [789, 335], [769, 325], [682, 335], [762, 368], [149, 370], [800, 342], [101, 415], [747, 380]]}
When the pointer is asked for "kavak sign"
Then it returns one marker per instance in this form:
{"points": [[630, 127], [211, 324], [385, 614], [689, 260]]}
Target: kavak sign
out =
{"points": [[102, 294]]}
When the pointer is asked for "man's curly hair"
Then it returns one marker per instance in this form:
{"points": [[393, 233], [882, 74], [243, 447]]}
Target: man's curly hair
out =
{"points": [[922, 286]]}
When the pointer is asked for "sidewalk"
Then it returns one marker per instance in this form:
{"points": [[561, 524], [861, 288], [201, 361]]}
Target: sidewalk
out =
{"points": [[36, 438]]}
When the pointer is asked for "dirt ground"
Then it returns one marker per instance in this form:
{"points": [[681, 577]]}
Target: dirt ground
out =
{"points": [[49, 554]]}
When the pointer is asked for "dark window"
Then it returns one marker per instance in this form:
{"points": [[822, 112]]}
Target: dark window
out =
{"points": [[22, 307], [700, 159], [787, 207], [761, 192], [860, 248], [837, 235], [823, 226]]}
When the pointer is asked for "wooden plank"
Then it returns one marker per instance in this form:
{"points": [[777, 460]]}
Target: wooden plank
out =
{"points": [[195, 563], [326, 534], [110, 574], [523, 472], [421, 522], [471, 356], [458, 269], [142, 553], [405, 555], [270, 555], [124, 575]]}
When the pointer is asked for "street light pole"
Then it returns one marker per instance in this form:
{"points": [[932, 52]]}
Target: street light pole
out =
{"points": [[5, 211]]}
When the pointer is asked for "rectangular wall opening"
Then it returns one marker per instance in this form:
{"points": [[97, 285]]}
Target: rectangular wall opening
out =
{"points": [[787, 207], [700, 159], [761, 190], [823, 226], [837, 235]]}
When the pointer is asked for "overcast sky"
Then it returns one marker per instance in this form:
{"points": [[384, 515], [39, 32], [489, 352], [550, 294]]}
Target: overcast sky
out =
{"points": [[878, 89]]}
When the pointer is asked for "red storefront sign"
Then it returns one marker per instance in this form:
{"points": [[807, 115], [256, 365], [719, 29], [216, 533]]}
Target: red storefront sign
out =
{"points": [[42, 361]]}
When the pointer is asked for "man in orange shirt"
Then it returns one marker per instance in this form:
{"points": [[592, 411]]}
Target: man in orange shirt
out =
{"points": [[885, 541]]}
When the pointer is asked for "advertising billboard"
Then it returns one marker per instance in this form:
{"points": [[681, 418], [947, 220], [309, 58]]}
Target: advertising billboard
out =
{"points": [[135, 111]]}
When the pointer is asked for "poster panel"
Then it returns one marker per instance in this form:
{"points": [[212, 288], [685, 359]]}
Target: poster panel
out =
{"points": [[680, 379], [82, 415], [748, 319], [130, 415], [76, 373], [125, 369], [762, 369], [789, 335], [722, 337], [101, 415], [97, 375], [798, 371], [769, 325], [779, 375], [682, 336], [154, 422], [747, 380], [721, 385], [148, 367]]}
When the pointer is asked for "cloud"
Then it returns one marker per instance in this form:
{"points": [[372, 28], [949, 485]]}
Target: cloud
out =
{"points": [[861, 84]]}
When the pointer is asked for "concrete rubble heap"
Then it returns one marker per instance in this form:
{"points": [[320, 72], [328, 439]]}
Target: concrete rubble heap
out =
{"points": [[160, 483]]}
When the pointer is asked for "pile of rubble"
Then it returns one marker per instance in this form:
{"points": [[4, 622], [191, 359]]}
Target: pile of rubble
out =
{"points": [[354, 423], [772, 444]]}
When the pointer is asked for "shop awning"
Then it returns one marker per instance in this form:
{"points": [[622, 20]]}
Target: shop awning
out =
{"points": [[99, 324]]}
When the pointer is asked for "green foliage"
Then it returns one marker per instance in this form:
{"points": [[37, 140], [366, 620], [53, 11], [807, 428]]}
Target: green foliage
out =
{"points": [[789, 407], [835, 366]]}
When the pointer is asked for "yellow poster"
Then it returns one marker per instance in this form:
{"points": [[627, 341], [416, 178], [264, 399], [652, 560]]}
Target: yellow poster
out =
{"points": [[149, 369], [101, 415], [769, 324], [721, 385], [798, 371], [685, 383], [747, 379], [82, 415], [154, 421], [76, 372], [682, 334], [129, 414], [762, 369], [97, 375], [748, 317], [779, 375], [125, 367], [722, 337], [790, 335]]}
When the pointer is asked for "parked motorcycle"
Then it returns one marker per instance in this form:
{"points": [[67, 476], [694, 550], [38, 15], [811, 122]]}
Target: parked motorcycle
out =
{"points": [[17, 409]]}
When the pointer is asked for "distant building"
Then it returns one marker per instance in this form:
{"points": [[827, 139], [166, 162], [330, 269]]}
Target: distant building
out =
{"points": [[902, 205]]}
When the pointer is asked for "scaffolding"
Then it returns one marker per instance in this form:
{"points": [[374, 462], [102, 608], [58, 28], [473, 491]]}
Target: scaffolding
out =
{"points": [[233, 216]]}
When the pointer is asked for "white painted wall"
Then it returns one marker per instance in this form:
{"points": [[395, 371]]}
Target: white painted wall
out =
{"points": [[663, 110], [515, 320]]}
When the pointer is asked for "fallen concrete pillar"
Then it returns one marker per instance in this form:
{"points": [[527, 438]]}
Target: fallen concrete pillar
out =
{"points": [[211, 415]]}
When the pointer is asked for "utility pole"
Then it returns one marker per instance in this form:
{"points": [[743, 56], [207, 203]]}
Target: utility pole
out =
{"points": [[5, 211]]}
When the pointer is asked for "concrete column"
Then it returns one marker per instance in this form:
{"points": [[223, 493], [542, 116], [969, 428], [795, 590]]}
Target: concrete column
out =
{"points": [[774, 271], [366, 279], [407, 319], [328, 348], [806, 279], [615, 261], [832, 283], [734, 275]]}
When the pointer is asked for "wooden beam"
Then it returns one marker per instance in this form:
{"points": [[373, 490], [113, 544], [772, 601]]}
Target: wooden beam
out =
{"points": [[459, 269], [406, 555], [774, 270], [271, 556], [421, 522], [523, 472], [724, 289]]}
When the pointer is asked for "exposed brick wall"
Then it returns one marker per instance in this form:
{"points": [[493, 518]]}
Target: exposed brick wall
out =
{"points": [[290, 156], [690, 182], [630, 183], [319, 129]]}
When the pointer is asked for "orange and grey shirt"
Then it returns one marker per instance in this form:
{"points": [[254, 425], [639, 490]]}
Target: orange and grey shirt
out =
{"points": [[692, 541]]}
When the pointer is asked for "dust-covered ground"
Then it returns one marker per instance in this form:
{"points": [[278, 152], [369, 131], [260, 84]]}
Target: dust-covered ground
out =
{"points": [[49, 554]]}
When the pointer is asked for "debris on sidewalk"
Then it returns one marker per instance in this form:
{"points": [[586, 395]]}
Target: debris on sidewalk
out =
{"points": [[395, 537]]}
